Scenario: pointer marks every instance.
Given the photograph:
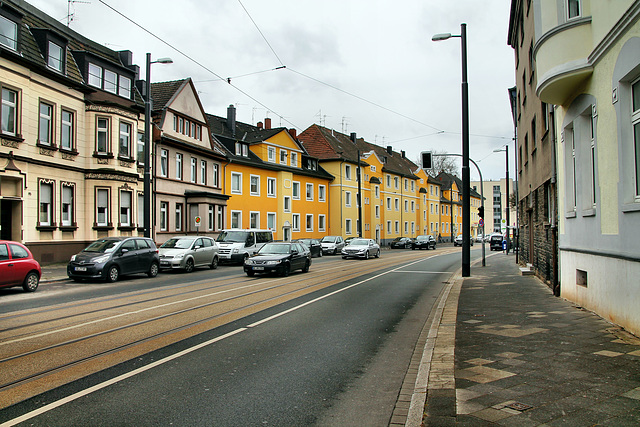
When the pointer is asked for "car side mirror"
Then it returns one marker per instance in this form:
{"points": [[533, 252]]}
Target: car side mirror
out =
{"points": [[123, 251], [294, 251]]}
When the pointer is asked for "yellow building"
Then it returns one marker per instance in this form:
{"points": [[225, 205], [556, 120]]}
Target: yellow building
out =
{"points": [[272, 181]]}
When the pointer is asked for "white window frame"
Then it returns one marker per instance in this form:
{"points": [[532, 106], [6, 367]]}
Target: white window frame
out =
{"points": [[105, 132], [236, 219], [216, 175], [576, 13], [203, 172], [179, 217], [45, 123], [347, 226], [102, 209], [295, 190], [287, 204], [294, 159], [124, 139], [67, 208], [94, 75], [67, 131], [126, 201], [309, 222], [635, 124], [164, 162], [283, 156], [194, 170], [211, 217], [45, 201], [254, 219], [322, 222], [271, 187], [254, 181], [8, 40], [110, 80], [9, 110], [236, 183], [271, 154], [322, 193], [55, 62], [124, 87], [309, 191], [295, 222], [377, 211], [347, 172], [271, 220], [347, 199]]}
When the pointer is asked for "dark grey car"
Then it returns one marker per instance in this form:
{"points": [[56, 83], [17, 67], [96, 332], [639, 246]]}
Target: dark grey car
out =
{"points": [[112, 257]]}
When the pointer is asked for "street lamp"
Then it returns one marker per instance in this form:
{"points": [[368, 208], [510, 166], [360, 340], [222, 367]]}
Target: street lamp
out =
{"points": [[466, 182], [147, 143], [506, 151]]}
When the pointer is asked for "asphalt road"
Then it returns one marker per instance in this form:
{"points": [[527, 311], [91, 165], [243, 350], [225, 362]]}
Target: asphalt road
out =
{"points": [[335, 356]]}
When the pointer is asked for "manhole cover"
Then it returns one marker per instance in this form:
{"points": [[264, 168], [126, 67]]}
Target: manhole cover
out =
{"points": [[519, 406]]}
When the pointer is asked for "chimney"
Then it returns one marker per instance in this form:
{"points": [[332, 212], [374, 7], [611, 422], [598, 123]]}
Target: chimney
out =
{"points": [[404, 155], [293, 133], [231, 119], [390, 150], [267, 123], [259, 125], [353, 137]]}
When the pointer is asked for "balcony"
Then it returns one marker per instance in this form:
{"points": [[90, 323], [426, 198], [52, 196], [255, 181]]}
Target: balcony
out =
{"points": [[562, 60]]}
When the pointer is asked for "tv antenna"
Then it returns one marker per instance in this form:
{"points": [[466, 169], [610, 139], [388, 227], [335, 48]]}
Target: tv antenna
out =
{"points": [[71, 15]]}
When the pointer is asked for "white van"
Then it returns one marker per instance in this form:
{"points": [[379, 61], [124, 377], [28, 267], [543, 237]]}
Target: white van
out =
{"points": [[236, 244]]}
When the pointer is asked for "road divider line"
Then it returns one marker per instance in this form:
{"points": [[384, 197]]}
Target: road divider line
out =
{"points": [[75, 396]]}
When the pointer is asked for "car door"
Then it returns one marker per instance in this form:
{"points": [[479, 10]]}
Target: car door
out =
{"points": [[146, 255], [199, 252], [126, 257], [8, 274], [297, 256]]}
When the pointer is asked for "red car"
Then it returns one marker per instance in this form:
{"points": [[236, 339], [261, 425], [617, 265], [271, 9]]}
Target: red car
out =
{"points": [[17, 267]]}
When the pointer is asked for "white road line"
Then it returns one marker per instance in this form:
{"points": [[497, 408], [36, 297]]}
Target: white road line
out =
{"points": [[112, 381]]}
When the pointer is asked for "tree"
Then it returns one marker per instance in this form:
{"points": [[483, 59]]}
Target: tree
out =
{"points": [[443, 163]]}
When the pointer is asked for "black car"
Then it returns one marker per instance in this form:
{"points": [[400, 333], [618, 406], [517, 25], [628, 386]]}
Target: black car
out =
{"points": [[313, 245], [401, 243], [112, 257], [495, 242], [426, 242], [279, 257]]}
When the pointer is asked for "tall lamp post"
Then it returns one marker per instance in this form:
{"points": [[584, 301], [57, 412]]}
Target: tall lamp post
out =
{"points": [[147, 143], [466, 182], [506, 151]]}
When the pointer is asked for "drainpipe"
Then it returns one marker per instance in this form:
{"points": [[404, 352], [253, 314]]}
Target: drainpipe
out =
{"points": [[554, 224]]}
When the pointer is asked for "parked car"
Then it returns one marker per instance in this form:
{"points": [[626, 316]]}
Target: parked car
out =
{"points": [[458, 241], [332, 244], [112, 257], [495, 242], [279, 257], [313, 245], [17, 266], [401, 243], [189, 252], [426, 241], [361, 248], [236, 245], [479, 238]]}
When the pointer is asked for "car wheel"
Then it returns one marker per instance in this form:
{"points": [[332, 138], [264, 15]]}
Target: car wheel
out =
{"points": [[366, 255], [378, 254], [306, 267], [113, 274], [320, 254], [188, 266], [244, 259], [335, 251], [153, 270], [344, 257], [286, 269], [214, 263], [31, 282], [250, 273]]}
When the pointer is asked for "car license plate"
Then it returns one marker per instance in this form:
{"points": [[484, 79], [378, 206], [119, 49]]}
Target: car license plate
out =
{"points": [[258, 268], [81, 268]]}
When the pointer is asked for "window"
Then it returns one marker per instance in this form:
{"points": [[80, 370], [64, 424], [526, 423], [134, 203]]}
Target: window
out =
{"points": [[397, 227], [67, 131], [179, 216], [321, 193], [220, 218], [347, 198], [271, 154], [102, 135], [347, 226], [388, 227], [271, 187], [396, 182], [8, 33], [388, 203], [125, 208], [294, 159], [377, 191], [388, 180], [271, 220], [211, 218], [347, 172], [573, 9], [194, 169], [592, 158], [95, 75], [203, 172], [377, 211], [287, 204], [45, 127], [254, 219], [124, 87], [255, 185], [322, 223], [635, 123], [164, 212], [295, 222], [179, 166], [397, 204], [236, 219], [295, 190], [110, 81], [216, 175], [66, 213], [46, 204], [102, 207], [9, 103], [140, 147], [124, 149], [406, 206], [309, 191], [55, 60], [236, 183], [164, 163], [140, 210], [283, 157]]}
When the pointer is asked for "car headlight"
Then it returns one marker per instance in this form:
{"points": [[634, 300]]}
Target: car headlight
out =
{"points": [[73, 257], [273, 262], [249, 262], [235, 250], [179, 256], [100, 259]]}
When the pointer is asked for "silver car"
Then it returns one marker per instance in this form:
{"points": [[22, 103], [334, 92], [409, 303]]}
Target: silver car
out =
{"points": [[332, 244], [361, 248], [189, 252]]}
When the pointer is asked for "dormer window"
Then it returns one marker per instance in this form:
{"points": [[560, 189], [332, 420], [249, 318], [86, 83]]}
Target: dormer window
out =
{"points": [[55, 60], [242, 149], [8, 33], [109, 80]]}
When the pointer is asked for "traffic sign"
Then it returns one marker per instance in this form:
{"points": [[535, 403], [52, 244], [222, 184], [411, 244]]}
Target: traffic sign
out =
{"points": [[198, 220]]}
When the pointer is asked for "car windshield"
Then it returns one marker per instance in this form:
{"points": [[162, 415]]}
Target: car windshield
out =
{"points": [[175, 243], [422, 238], [355, 242], [305, 241], [274, 248], [103, 246], [328, 239], [233, 236]]}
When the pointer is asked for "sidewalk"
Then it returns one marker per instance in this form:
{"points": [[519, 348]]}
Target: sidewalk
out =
{"points": [[526, 358], [53, 273]]}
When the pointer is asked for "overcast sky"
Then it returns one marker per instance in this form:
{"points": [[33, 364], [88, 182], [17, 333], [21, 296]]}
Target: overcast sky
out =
{"points": [[363, 66]]}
